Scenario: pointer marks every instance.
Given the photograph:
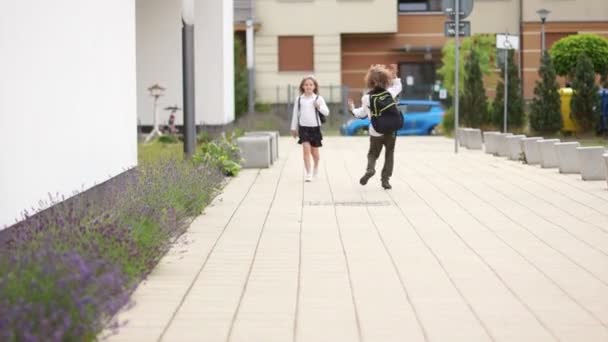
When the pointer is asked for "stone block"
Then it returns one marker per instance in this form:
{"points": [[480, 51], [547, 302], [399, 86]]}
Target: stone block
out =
{"points": [[591, 163], [501, 143], [489, 141], [514, 145], [568, 157], [274, 142], [548, 153], [531, 151], [255, 151], [473, 138]]}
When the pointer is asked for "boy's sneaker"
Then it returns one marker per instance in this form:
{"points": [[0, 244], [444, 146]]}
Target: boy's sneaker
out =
{"points": [[366, 177], [386, 185]]}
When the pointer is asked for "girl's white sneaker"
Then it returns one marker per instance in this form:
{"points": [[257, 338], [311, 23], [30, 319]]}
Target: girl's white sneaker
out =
{"points": [[308, 178], [315, 173]]}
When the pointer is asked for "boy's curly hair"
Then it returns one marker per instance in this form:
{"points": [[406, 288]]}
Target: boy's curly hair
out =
{"points": [[377, 76]]}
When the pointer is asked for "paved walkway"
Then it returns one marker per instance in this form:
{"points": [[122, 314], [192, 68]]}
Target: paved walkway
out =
{"points": [[464, 248]]}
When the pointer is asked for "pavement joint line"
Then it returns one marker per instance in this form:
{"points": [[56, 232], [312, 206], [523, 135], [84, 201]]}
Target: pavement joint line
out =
{"points": [[556, 207], [548, 220], [350, 279], [562, 180], [496, 274], [200, 270], [255, 252], [392, 258], [593, 275], [571, 297], [445, 271], [299, 283]]}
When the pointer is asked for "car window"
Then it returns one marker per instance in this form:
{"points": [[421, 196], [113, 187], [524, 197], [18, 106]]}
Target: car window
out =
{"points": [[414, 108]]}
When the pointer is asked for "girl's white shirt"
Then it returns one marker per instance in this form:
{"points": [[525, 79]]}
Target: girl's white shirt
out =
{"points": [[364, 111], [307, 115]]}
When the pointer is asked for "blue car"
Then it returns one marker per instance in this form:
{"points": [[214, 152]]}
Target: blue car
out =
{"points": [[420, 117]]}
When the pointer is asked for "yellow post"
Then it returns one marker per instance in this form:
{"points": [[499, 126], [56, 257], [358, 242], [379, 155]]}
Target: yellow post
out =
{"points": [[568, 125]]}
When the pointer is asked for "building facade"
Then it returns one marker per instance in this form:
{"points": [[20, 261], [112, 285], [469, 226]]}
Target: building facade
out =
{"points": [[337, 40], [67, 98]]}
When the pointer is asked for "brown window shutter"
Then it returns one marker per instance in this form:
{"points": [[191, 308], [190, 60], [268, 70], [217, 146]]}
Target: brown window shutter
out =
{"points": [[296, 53]]}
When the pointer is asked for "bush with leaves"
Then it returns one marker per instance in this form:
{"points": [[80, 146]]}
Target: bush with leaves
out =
{"points": [[515, 104], [545, 109], [474, 101], [241, 82], [223, 154], [585, 97], [484, 47], [566, 51]]}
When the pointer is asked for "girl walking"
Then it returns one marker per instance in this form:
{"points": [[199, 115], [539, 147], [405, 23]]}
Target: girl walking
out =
{"points": [[306, 124]]}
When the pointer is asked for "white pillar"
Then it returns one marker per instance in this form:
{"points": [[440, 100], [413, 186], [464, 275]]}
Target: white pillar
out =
{"points": [[214, 44]]}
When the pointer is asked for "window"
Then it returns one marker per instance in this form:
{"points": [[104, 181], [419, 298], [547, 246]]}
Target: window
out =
{"points": [[552, 37], [419, 5], [296, 53]]}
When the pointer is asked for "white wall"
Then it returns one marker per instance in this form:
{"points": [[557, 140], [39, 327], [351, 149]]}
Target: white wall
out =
{"points": [[159, 53], [159, 59], [67, 97]]}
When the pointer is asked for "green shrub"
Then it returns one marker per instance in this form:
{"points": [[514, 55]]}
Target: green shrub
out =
{"points": [[515, 105], [263, 107], [474, 100], [168, 139], [241, 82], [585, 97], [224, 154], [566, 51], [545, 109], [447, 123]]}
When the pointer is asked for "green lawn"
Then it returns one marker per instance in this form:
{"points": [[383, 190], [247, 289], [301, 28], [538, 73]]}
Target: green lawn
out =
{"points": [[156, 150]]}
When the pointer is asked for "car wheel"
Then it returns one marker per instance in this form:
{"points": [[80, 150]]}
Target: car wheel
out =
{"points": [[434, 131]]}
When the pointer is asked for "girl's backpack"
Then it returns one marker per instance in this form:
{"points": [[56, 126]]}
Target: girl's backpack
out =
{"points": [[386, 117]]}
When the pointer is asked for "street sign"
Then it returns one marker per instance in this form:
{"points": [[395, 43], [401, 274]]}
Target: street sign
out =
{"points": [[507, 42], [449, 29], [466, 7]]}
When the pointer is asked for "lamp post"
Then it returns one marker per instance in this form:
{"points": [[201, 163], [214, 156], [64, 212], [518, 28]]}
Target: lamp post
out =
{"points": [[188, 76], [156, 91], [542, 13]]}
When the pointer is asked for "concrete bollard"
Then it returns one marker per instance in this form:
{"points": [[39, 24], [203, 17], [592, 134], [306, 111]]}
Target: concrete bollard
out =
{"points": [[531, 151], [514, 146], [591, 165], [568, 157], [605, 156], [274, 142], [548, 153], [489, 141], [503, 147], [255, 151], [474, 138]]}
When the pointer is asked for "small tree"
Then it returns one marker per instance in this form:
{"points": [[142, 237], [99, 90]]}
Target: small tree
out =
{"points": [[515, 104], [474, 100], [585, 97], [241, 83], [483, 44], [545, 111], [566, 51]]}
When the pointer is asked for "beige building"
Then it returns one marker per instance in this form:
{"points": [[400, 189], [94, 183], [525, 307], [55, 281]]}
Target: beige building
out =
{"points": [[338, 39]]}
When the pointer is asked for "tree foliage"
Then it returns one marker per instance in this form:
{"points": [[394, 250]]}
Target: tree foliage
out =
{"points": [[515, 104], [545, 111], [585, 97], [566, 51]]}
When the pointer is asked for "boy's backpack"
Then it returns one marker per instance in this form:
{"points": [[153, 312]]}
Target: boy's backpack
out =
{"points": [[386, 117], [321, 119]]}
